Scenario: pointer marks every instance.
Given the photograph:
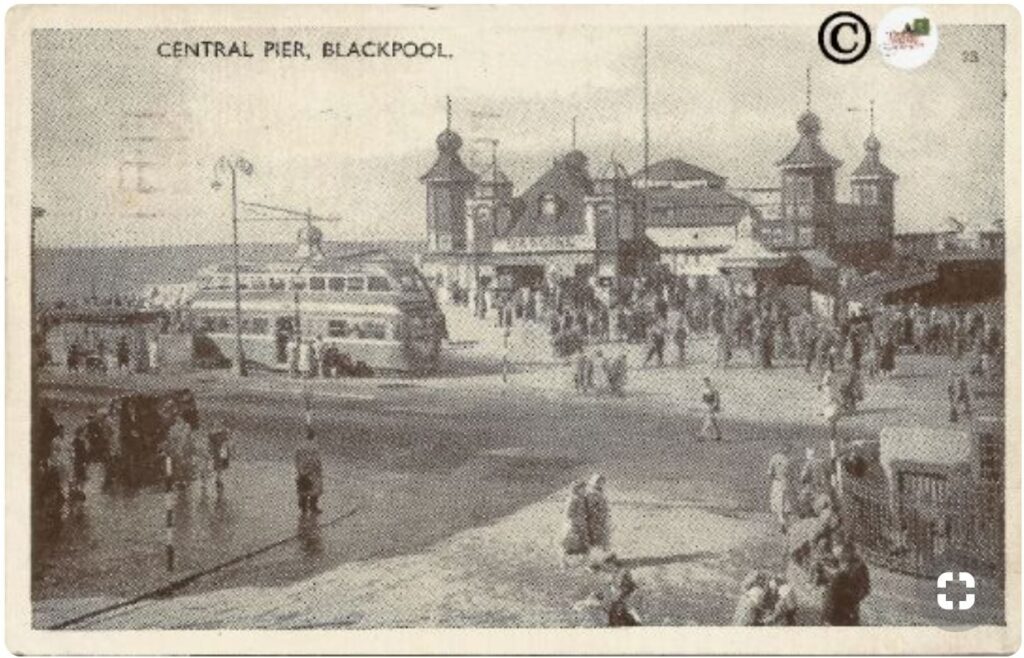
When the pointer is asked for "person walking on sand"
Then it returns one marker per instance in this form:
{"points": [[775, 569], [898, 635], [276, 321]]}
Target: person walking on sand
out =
{"points": [[308, 474], [710, 431], [575, 540], [657, 349], [598, 520], [749, 606], [779, 489], [815, 480], [679, 337]]}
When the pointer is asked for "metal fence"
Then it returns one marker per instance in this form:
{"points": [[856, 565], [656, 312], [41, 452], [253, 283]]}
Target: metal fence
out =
{"points": [[926, 521]]}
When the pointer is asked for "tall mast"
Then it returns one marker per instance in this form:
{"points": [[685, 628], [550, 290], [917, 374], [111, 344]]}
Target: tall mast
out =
{"points": [[647, 137]]}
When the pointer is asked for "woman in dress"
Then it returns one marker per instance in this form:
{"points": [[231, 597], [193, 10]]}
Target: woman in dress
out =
{"points": [[598, 519], [574, 540]]}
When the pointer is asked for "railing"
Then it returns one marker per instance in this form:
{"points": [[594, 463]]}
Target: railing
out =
{"points": [[926, 528]]}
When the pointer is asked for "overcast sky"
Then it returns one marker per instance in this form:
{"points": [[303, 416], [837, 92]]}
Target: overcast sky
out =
{"points": [[350, 138]]}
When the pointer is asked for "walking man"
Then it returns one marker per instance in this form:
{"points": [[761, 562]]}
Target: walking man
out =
{"points": [[710, 430], [308, 474], [679, 337], [657, 349], [778, 493], [959, 395]]}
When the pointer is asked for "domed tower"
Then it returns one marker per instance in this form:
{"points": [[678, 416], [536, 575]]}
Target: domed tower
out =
{"points": [[808, 188], [449, 183], [872, 186]]}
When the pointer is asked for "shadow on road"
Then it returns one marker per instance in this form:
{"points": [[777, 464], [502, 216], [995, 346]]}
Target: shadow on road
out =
{"points": [[655, 561]]}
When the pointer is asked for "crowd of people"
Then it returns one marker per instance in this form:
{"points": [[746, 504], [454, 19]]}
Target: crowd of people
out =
{"points": [[825, 578], [313, 358], [129, 442]]}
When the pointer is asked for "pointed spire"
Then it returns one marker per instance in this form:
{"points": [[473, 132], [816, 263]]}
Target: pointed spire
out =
{"points": [[448, 167], [871, 166], [808, 151]]}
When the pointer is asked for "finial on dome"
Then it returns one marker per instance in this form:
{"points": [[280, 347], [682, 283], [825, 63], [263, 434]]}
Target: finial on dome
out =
{"points": [[575, 159], [808, 124], [449, 141]]}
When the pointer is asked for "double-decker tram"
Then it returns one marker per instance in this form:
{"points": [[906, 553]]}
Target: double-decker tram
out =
{"points": [[368, 309]]}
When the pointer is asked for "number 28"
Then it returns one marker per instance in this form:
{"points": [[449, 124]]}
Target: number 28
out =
{"points": [[970, 56]]}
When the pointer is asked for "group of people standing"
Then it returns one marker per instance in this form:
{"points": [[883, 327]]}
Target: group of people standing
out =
{"points": [[313, 358], [824, 568], [115, 445], [586, 541], [599, 373]]}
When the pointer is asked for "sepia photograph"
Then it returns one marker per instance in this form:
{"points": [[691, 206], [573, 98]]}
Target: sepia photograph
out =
{"points": [[504, 318]]}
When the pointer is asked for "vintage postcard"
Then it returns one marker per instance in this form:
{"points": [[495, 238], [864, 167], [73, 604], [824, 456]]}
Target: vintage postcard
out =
{"points": [[507, 329]]}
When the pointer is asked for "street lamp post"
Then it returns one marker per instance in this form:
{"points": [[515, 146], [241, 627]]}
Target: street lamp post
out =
{"points": [[233, 167]]}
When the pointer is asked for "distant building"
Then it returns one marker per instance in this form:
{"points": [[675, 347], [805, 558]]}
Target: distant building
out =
{"points": [[568, 222], [565, 223], [808, 216], [692, 218]]}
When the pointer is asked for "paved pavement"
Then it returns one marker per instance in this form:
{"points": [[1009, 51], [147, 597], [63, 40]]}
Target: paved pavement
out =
{"points": [[424, 464]]}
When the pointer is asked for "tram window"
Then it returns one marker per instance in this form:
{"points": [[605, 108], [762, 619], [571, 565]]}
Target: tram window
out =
{"points": [[336, 283], [298, 284], [372, 329], [355, 283], [337, 328], [259, 283], [378, 284], [256, 326], [277, 284], [316, 283]]}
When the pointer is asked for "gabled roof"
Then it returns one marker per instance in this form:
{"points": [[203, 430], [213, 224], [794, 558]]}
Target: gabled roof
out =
{"points": [[676, 170], [567, 180], [694, 207]]}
